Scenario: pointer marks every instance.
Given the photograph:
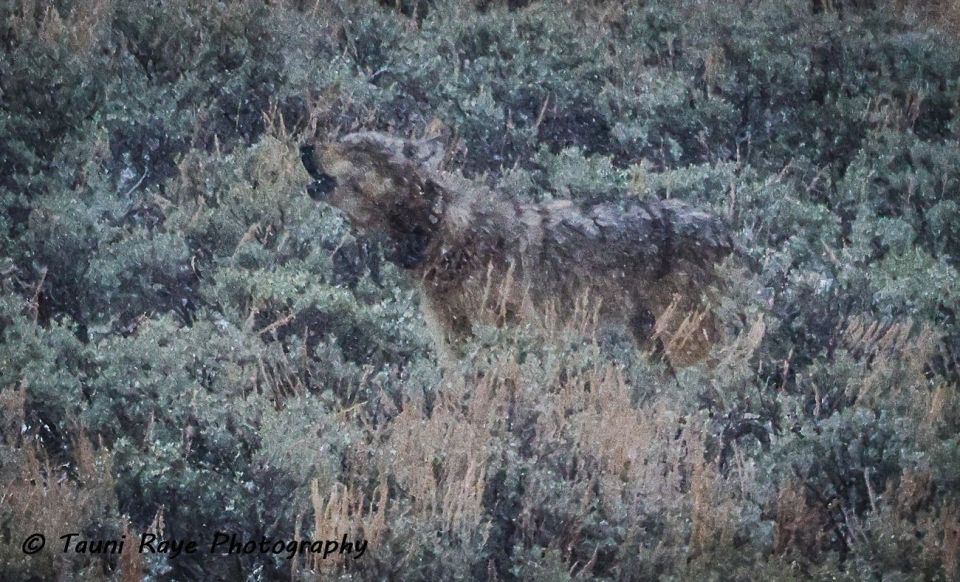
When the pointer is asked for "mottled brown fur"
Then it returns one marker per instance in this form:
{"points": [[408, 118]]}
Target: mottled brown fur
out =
{"points": [[481, 255]]}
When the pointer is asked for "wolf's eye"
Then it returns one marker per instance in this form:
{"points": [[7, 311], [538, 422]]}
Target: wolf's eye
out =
{"points": [[323, 183], [321, 187], [309, 161]]}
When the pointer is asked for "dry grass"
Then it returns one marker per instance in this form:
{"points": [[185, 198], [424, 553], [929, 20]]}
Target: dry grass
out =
{"points": [[82, 30], [801, 526], [951, 543], [37, 495], [573, 413], [943, 15], [345, 511], [894, 356], [131, 561], [613, 457]]}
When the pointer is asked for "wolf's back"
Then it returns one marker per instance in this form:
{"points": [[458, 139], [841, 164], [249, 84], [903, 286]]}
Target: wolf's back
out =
{"points": [[651, 239], [697, 237]]}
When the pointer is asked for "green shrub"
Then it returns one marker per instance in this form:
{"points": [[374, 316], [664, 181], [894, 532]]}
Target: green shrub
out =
{"points": [[189, 343]]}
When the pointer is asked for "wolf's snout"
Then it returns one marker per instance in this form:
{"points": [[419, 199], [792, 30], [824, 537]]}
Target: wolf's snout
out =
{"points": [[323, 183]]}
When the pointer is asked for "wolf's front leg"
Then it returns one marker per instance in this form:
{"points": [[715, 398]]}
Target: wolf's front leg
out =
{"points": [[450, 328]]}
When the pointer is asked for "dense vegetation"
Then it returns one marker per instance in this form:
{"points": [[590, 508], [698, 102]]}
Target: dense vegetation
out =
{"points": [[191, 344]]}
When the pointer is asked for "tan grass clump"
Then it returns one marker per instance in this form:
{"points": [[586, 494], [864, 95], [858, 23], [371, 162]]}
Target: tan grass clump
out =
{"points": [[39, 495]]}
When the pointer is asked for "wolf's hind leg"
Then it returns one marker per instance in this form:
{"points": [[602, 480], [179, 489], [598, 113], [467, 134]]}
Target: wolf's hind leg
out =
{"points": [[643, 327]]}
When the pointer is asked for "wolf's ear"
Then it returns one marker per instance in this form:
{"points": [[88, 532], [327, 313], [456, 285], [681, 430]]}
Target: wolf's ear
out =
{"points": [[429, 152]]}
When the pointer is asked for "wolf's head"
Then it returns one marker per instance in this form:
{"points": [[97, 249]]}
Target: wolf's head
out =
{"points": [[383, 184]]}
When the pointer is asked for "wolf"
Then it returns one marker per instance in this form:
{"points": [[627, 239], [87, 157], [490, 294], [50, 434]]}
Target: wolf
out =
{"points": [[481, 256]]}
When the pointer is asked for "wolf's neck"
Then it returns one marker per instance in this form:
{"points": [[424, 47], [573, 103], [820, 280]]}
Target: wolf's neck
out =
{"points": [[479, 212]]}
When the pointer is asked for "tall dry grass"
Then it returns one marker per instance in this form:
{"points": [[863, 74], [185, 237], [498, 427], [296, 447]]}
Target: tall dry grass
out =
{"points": [[41, 495]]}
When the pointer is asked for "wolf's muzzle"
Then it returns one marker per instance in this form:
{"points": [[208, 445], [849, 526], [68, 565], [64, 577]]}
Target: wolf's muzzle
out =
{"points": [[323, 183]]}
